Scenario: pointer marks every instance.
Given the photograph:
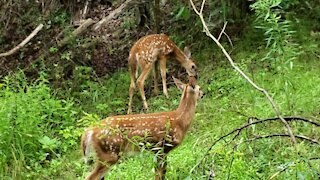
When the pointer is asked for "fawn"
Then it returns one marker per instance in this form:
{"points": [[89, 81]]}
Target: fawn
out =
{"points": [[116, 135], [145, 53]]}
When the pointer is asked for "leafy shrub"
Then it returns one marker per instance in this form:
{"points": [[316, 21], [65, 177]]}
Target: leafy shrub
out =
{"points": [[93, 95], [271, 19], [30, 122]]}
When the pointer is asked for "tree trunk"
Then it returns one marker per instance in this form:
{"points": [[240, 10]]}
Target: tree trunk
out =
{"points": [[157, 15]]}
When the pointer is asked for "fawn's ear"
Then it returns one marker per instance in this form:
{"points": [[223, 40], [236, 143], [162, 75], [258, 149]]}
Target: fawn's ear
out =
{"points": [[178, 83], [187, 52]]}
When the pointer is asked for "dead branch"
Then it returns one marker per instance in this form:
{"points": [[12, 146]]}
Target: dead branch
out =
{"points": [[85, 10], [82, 28], [114, 14], [274, 105], [289, 118], [239, 130], [293, 118], [222, 31], [24, 42], [313, 141], [228, 39]]}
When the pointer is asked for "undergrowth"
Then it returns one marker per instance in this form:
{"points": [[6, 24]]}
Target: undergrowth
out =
{"points": [[40, 126], [57, 124], [31, 123]]}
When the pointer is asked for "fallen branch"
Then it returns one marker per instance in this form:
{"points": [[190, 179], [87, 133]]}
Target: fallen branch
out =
{"points": [[293, 118], [114, 14], [239, 129], [275, 107], [82, 28], [24, 42], [313, 141], [289, 118]]}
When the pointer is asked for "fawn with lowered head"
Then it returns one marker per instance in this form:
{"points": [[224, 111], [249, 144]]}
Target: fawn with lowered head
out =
{"points": [[116, 135], [144, 54]]}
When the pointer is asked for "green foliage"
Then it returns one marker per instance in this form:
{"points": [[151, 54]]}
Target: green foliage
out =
{"points": [[60, 17], [30, 122], [182, 13], [97, 96], [53, 49], [231, 99], [128, 23], [40, 126], [271, 19]]}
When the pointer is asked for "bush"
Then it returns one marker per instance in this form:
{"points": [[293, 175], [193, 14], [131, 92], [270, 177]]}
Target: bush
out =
{"points": [[30, 122], [271, 19]]}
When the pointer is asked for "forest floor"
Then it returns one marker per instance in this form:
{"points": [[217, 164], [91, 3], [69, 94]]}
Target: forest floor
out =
{"points": [[41, 124], [228, 104]]}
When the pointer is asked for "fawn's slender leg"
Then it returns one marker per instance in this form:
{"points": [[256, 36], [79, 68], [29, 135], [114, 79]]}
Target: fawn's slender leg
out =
{"points": [[161, 166], [163, 62], [140, 81], [155, 77], [131, 91], [105, 160], [98, 172], [133, 70]]}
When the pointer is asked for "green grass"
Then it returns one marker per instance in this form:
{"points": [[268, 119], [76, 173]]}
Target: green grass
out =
{"points": [[51, 121], [228, 103]]}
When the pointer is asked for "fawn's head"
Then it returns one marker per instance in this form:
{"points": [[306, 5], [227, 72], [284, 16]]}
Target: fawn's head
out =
{"points": [[190, 65], [192, 88]]}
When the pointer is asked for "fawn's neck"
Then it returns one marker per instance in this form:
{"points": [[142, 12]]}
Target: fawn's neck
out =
{"points": [[186, 110]]}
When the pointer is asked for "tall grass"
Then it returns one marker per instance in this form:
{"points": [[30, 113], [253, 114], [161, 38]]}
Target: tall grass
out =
{"points": [[30, 121]]}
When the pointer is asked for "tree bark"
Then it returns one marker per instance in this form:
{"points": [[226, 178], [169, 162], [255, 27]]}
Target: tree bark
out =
{"points": [[157, 16]]}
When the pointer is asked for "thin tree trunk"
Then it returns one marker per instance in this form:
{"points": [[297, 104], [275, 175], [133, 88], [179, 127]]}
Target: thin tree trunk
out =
{"points": [[157, 16]]}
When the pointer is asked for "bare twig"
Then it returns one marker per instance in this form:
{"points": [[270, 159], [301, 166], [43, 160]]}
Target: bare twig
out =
{"points": [[313, 141], [228, 39], [275, 107], [293, 118], [85, 10], [222, 31], [24, 42], [238, 130]]}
